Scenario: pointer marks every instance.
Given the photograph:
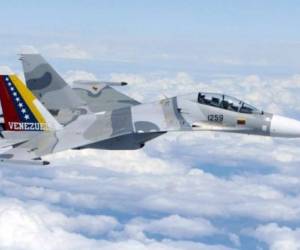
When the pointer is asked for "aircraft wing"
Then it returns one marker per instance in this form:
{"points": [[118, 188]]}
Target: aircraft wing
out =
{"points": [[49, 143], [100, 96], [98, 129]]}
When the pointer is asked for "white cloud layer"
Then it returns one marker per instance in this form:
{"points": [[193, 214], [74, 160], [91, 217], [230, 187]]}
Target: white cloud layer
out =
{"points": [[31, 226], [173, 226], [278, 237]]}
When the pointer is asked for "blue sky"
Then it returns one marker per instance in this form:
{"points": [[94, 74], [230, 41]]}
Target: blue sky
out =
{"points": [[207, 36], [236, 20], [182, 191]]}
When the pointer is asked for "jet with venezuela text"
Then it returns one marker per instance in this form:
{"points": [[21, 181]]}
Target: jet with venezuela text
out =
{"points": [[49, 116]]}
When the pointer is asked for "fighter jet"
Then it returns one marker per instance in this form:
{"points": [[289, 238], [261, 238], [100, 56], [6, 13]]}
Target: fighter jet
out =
{"points": [[32, 128]]}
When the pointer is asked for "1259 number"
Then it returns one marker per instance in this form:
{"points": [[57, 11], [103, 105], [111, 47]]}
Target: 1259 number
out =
{"points": [[215, 118]]}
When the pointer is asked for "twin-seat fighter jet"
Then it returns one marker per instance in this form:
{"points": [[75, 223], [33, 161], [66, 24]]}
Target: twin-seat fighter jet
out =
{"points": [[49, 116]]}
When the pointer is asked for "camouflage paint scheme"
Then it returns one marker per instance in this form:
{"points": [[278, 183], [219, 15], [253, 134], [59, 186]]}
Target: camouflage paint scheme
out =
{"points": [[64, 102], [118, 121], [94, 97]]}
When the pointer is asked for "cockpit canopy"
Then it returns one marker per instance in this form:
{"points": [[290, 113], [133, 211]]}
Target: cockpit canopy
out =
{"points": [[226, 102]]}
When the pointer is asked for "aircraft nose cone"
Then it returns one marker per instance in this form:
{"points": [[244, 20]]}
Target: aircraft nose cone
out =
{"points": [[284, 127]]}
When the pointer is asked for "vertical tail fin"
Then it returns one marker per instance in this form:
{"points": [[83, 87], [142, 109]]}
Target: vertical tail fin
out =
{"points": [[21, 110], [46, 83]]}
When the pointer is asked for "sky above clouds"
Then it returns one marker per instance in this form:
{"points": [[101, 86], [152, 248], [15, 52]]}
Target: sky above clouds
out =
{"points": [[183, 190]]}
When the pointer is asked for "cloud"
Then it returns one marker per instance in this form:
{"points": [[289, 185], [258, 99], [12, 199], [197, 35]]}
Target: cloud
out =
{"points": [[173, 226], [32, 226], [23, 227], [75, 75], [278, 237], [88, 225], [133, 190], [138, 161], [235, 239], [69, 51]]}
